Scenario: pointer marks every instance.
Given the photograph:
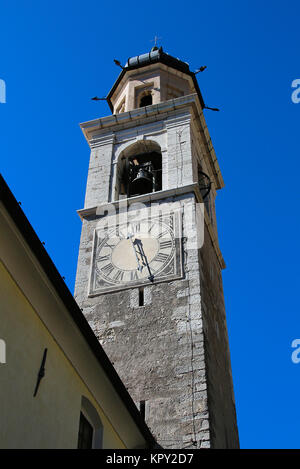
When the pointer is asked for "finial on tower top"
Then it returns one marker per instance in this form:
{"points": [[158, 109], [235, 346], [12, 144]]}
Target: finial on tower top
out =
{"points": [[156, 38]]}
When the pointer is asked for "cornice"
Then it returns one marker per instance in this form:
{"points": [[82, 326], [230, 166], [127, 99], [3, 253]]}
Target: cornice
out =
{"points": [[132, 117], [105, 127]]}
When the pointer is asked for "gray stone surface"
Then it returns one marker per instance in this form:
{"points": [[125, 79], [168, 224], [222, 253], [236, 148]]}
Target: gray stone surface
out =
{"points": [[173, 352]]}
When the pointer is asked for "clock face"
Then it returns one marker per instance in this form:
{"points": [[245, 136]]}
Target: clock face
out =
{"points": [[135, 253]]}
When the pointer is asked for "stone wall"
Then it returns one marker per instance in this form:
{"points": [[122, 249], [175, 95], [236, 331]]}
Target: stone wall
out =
{"points": [[223, 424], [157, 349]]}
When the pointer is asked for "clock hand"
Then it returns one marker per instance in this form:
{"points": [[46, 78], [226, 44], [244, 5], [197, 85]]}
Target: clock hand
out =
{"points": [[144, 257], [140, 268]]}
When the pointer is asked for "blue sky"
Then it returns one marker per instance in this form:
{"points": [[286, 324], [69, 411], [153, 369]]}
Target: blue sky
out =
{"points": [[56, 55]]}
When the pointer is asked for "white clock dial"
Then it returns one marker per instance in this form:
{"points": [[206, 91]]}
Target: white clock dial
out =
{"points": [[135, 254]]}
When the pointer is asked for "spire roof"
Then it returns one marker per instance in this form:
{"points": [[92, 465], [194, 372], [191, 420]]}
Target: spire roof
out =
{"points": [[156, 55]]}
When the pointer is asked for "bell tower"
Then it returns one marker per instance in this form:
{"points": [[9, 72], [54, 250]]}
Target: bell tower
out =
{"points": [[149, 269]]}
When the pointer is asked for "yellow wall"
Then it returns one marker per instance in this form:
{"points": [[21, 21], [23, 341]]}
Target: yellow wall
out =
{"points": [[51, 419]]}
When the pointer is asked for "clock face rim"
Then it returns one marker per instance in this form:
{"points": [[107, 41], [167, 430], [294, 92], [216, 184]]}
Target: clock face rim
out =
{"points": [[160, 275], [146, 273]]}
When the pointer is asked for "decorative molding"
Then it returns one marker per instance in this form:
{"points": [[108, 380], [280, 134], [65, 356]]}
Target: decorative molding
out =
{"points": [[136, 114], [102, 140]]}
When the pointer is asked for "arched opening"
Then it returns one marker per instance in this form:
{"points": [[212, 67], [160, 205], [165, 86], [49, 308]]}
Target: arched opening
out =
{"points": [[146, 99], [90, 431], [139, 170]]}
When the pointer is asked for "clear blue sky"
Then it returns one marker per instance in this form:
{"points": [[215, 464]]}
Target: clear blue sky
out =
{"points": [[55, 55]]}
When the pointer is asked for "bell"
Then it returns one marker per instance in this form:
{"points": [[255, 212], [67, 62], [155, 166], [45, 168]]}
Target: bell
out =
{"points": [[142, 183]]}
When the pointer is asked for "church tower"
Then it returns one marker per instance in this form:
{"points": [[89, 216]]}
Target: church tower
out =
{"points": [[149, 270]]}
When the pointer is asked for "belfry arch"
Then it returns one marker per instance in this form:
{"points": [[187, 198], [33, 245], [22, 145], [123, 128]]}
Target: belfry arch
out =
{"points": [[139, 170], [145, 99]]}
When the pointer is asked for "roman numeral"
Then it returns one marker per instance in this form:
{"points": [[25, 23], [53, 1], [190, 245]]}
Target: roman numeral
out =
{"points": [[133, 275], [104, 258], [163, 234], [109, 245], [118, 275], [161, 257], [107, 269], [136, 227], [166, 244], [152, 226]]}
